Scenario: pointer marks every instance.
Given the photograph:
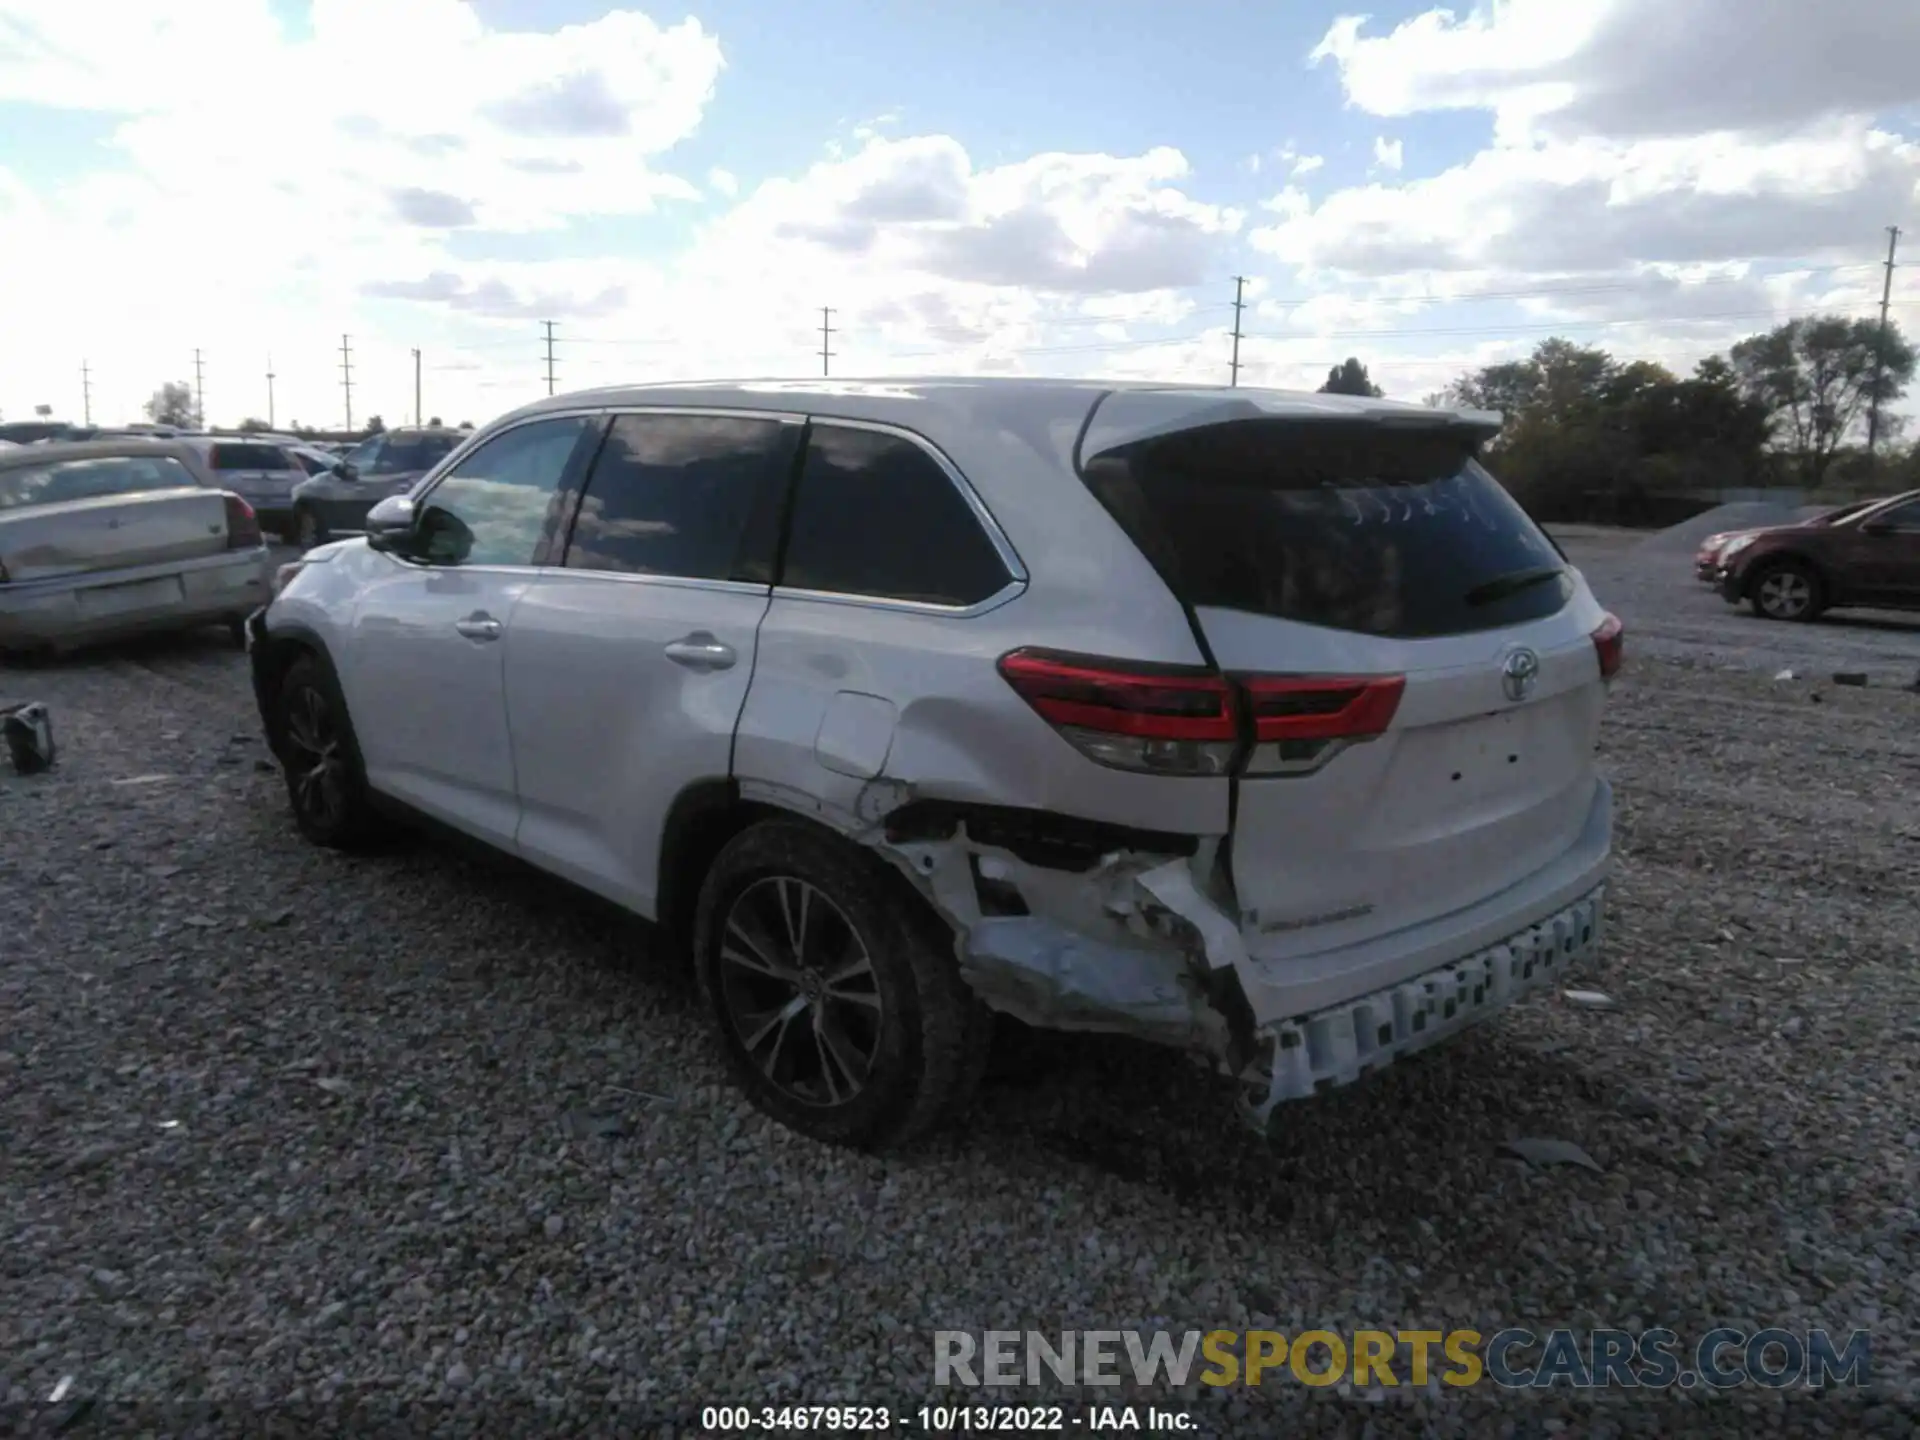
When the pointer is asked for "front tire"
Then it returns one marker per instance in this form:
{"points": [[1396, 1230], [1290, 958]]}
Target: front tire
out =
{"points": [[320, 757], [1786, 590], [308, 529], [836, 998]]}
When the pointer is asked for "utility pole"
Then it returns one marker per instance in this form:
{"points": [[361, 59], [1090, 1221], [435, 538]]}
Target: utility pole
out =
{"points": [[86, 394], [419, 417], [346, 376], [199, 394], [1233, 365], [826, 336], [270, 416], [1880, 347], [549, 325]]}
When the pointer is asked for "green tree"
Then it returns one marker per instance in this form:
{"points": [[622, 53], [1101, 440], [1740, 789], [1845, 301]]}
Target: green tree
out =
{"points": [[1350, 377], [376, 426], [254, 425], [1817, 378], [172, 404]]}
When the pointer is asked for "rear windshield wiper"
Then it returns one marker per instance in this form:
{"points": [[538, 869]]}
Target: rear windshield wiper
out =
{"points": [[1501, 586]]}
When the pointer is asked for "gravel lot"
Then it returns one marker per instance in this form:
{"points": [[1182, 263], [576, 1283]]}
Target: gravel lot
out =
{"points": [[284, 1127]]}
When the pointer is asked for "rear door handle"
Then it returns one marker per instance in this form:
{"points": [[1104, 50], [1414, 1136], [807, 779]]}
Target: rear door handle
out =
{"points": [[700, 651], [479, 627]]}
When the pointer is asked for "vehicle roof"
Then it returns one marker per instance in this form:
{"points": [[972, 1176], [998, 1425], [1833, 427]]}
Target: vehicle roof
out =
{"points": [[29, 455], [939, 403], [447, 430]]}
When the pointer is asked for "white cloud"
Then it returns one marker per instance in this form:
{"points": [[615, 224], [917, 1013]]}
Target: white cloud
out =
{"points": [[723, 182], [1307, 164], [1388, 154]]}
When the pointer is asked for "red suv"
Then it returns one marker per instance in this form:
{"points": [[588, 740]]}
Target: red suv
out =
{"points": [[1794, 572]]}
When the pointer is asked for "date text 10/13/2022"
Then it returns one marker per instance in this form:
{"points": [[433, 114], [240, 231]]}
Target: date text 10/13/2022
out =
{"points": [[947, 1419]]}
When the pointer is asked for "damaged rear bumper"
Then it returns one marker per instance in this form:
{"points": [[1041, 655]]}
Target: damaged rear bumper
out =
{"points": [[1340, 1043]]}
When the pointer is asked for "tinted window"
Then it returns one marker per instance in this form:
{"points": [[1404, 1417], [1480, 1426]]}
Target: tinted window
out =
{"points": [[493, 508], [249, 457], [407, 453], [1347, 526], [876, 515], [89, 479], [1900, 517], [366, 454], [679, 495]]}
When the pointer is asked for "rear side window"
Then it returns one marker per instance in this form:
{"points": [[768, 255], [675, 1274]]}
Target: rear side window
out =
{"points": [[249, 457], [90, 479], [685, 495], [876, 515], [1352, 527], [405, 453]]}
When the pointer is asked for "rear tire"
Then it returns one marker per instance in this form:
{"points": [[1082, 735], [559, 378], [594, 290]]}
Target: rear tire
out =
{"points": [[320, 757], [1786, 590], [836, 999]]}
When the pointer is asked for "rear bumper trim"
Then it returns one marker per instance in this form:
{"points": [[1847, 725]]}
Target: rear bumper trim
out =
{"points": [[1339, 1044]]}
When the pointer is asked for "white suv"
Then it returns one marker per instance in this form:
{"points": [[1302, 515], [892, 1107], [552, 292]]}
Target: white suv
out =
{"points": [[1255, 723]]}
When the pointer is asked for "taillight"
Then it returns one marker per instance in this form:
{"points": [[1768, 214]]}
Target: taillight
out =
{"points": [[1153, 719], [243, 526], [1610, 644], [1301, 721], [1187, 720]]}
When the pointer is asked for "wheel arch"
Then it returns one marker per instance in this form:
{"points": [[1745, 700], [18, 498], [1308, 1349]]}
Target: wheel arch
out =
{"points": [[272, 657], [1773, 559]]}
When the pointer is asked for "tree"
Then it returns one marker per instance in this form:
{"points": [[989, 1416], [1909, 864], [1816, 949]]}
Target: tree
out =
{"points": [[376, 426], [435, 421], [253, 425], [1350, 377], [1817, 378], [172, 404]]}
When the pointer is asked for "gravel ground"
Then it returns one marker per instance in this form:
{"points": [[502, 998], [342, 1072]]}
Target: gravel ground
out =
{"points": [[287, 1128]]}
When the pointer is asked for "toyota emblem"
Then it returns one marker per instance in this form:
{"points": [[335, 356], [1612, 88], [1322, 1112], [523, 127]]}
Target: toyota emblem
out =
{"points": [[1518, 673]]}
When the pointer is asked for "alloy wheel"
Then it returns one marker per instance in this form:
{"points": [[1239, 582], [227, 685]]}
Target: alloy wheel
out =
{"points": [[798, 989], [315, 763], [1786, 594]]}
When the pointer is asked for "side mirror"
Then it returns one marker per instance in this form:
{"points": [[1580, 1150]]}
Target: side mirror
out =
{"points": [[390, 523], [346, 470]]}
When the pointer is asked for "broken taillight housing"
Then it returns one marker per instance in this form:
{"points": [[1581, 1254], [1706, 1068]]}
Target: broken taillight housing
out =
{"points": [[1610, 644], [1190, 720], [243, 526], [1301, 721], [1154, 719]]}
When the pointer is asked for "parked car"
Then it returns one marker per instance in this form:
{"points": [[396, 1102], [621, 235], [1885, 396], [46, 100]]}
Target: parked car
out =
{"points": [[112, 537], [1868, 558], [313, 459], [335, 502], [262, 472], [1707, 560], [1259, 724]]}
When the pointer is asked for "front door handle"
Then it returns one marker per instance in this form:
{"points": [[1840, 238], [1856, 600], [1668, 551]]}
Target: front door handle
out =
{"points": [[700, 651], [479, 626]]}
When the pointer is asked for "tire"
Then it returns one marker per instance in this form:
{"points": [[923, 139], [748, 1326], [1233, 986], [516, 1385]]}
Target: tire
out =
{"points": [[309, 529], [320, 757], [237, 632], [1786, 590], [887, 1043]]}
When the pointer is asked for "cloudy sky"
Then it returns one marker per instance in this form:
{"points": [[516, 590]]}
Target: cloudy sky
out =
{"points": [[972, 185]]}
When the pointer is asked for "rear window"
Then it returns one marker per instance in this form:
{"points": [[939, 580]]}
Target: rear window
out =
{"points": [[1351, 527], [66, 480], [249, 457], [403, 453]]}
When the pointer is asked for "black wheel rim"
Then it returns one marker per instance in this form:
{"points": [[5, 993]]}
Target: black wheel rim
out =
{"points": [[799, 992], [316, 767]]}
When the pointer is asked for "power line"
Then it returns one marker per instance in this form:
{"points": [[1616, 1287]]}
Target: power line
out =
{"points": [[826, 335], [1880, 346], [86, 394], [1233, 366], [549, 326], [346, 376]]}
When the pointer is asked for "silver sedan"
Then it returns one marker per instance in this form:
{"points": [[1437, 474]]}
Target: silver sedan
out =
{"points": [[104, 539]]}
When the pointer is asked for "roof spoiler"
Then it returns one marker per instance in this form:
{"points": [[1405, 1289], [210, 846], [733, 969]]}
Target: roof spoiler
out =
{"points": [[1127, 417]]}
